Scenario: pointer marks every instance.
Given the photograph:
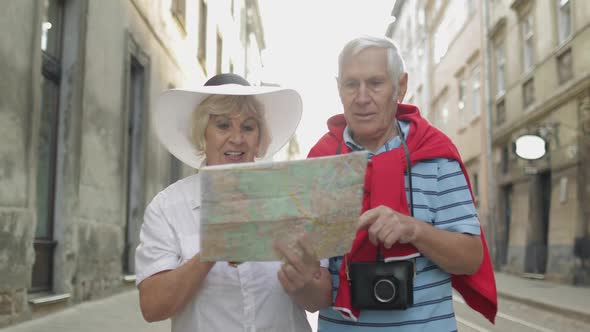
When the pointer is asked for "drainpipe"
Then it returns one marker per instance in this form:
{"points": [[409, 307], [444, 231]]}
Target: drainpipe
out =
{"points": [[489, 137]]}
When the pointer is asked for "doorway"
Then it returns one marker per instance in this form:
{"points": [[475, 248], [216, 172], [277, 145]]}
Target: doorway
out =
{"points": [[135, 154], [540, 208]]}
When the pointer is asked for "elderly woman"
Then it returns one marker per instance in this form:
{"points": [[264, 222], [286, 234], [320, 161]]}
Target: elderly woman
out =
{"points": [[226, 121]]}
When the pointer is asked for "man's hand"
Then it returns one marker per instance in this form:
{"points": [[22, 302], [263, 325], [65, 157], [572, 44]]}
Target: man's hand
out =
{"points": [[299, 269], [388, 226]]}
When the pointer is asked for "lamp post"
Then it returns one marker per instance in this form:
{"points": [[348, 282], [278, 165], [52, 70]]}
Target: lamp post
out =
{"points": [[530, 147]]}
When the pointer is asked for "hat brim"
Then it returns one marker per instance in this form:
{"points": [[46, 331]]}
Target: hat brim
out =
{"points": [[173, 109]]}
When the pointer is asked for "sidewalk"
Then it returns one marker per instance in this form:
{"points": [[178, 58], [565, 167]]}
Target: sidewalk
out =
{"points": [[117, 313], [567, 300], [121, 312]]}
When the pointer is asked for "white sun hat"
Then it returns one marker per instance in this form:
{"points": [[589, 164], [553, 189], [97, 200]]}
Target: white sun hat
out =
{"points": [[173, 110]]}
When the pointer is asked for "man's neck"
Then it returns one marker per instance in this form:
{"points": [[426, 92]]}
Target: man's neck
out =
{"points": [[374, 145]]}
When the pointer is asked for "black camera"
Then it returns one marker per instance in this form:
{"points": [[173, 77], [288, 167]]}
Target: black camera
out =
{"points": [[382, 286]]}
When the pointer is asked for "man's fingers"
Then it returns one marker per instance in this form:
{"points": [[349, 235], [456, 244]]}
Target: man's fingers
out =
{"points": [[367, 219], [380, 228], [374, 230], [385, 231], [390, 239]]}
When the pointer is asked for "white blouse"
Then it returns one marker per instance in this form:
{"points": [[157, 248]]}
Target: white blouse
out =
{"points": [[248, 297]]}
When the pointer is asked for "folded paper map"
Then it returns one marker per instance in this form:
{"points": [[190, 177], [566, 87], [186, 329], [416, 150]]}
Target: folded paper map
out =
{"points": [[245, 207]]}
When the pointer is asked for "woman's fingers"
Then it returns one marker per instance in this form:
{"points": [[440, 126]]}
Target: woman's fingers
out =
{"points": [[290, 278]]}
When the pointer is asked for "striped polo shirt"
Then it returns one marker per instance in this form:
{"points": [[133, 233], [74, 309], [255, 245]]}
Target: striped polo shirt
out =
{"points": [[441, 198]]}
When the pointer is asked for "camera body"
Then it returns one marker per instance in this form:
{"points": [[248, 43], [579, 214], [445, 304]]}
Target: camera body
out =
{"points": [[382, 286]]}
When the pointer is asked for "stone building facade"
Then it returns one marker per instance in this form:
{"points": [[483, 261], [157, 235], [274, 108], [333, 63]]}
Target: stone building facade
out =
{"points": [[79, 160], [490, 72], [441, 43], [540, 80]]}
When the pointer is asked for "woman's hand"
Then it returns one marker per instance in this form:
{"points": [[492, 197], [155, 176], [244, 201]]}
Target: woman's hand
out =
{"points": [[301, 276], [300, 264]]}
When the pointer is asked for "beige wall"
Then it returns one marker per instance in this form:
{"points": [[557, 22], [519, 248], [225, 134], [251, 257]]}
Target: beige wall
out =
{"points": [[555, 113], [92, 172], [439, 83]]}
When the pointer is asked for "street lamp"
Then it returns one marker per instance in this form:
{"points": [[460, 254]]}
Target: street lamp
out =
{"points": [[530, 147], [533, 144]]}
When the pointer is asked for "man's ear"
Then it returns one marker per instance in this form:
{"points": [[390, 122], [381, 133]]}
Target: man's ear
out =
{"points": [[402, 87]]}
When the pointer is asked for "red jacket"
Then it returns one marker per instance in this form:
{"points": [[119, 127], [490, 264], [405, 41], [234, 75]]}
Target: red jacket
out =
{"points": [[424, 142]]}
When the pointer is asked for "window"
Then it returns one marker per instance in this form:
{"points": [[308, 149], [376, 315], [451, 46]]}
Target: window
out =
{"points": [[137, 72], [442, 118], [44, 242], [175, 164], [445, 116], [452, 21], [408, 35], [475, 185], [476, 92], [564, 20], [421, 17], [500, 57], [564, 66], [178, 9], [419, 102], [504, 166], [175, 169], [461, 103], [528, 53], [470, 7], [202, 52], [528, 93], [500, 112]]}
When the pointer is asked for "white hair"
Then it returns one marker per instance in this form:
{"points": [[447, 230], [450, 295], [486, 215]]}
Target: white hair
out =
{"points": [[395, 63]]}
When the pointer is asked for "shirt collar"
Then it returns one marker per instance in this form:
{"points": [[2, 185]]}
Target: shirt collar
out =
{"points": [[393, 143]]}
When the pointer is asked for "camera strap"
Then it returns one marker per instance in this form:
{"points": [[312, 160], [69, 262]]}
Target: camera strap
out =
{"points": [[408, 167], [410, 187]]}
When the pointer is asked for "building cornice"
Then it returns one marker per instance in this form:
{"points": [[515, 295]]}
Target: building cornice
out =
{"points": [[559, 97]]}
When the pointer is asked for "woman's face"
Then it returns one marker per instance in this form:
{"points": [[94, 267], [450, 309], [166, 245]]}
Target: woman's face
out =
{"points": [[231, 138]]}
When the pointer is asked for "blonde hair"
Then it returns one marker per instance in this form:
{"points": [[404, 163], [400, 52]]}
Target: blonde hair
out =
{"points": [[225, 105]]}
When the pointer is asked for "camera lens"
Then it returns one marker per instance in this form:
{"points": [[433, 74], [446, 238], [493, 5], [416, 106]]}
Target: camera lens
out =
{"points": [[384, 290]]}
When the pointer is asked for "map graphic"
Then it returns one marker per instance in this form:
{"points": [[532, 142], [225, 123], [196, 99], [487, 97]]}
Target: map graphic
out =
{"points": [[245, 207]]}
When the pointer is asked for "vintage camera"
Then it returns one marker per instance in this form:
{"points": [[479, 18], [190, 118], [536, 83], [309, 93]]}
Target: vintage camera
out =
{"points": [[382, 286]]}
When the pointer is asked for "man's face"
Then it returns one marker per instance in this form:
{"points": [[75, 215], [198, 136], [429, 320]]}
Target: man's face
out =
{"points": [[368, 97]]}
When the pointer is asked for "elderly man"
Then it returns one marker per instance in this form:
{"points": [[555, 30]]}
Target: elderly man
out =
{"points": [[418, 216]]}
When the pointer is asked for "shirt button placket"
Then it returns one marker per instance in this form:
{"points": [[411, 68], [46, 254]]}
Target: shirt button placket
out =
{"points": [[245, 272]]}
